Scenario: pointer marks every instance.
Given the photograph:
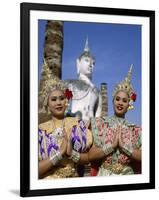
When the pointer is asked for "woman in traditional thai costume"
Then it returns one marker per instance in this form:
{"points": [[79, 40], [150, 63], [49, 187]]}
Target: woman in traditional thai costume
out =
{"points": [[117, 143], [63, 141]]}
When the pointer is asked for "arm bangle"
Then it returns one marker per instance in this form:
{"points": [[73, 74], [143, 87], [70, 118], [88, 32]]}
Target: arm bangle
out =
{"points": [[127, 150], [56, 157], [107, 149], [75, 156]]}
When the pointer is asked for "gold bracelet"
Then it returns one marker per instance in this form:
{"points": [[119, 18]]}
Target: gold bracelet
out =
{"points": [[107, 149], [56, 157], [75, 156]]}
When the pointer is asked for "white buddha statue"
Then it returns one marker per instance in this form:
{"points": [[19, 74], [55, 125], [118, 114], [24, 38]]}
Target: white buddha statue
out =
{"points": [[86, 101]]}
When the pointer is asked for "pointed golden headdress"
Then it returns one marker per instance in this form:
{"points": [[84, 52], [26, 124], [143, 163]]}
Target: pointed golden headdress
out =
{"points": [[126, 86], [49, 86]]}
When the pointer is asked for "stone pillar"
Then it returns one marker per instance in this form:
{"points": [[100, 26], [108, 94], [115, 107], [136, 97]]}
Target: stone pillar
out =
{"points": [[54, 46], [104, 99], [52, 60]]}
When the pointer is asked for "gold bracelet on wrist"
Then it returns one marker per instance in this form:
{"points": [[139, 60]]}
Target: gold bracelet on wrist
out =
{"points": [[107, 149]]}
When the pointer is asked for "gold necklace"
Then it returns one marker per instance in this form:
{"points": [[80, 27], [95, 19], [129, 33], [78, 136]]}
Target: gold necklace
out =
{"points": [[58, 132]]}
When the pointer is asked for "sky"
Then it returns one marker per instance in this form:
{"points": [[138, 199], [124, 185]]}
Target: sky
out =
{"points": [[114, 46]]}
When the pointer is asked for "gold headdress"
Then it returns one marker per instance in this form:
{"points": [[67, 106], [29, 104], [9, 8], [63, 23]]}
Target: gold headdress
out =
{"points": [[49, 85], [126, 86]]}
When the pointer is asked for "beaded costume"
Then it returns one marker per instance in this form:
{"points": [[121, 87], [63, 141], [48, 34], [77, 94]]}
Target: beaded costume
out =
{"points": [[117, 162], [50, 139]]}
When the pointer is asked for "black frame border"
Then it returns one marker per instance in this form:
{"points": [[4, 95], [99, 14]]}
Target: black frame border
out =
{"points": [[25, 9]]}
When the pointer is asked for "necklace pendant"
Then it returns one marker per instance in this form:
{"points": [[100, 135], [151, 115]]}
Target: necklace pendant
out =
{"points": [[59, 132]]}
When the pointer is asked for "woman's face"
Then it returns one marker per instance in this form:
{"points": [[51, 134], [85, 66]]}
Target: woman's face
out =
{"points": [[57, 103], [121, 103]]}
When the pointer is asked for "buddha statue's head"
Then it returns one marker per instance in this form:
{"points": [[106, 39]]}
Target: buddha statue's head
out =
{"points": [[85, 62]]}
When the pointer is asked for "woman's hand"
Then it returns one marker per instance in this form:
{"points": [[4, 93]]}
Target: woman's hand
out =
{"points": [[88, 124], [63, 146], [116, 139], [121, 144], [127, 147], [69, 147], [68, 150]]}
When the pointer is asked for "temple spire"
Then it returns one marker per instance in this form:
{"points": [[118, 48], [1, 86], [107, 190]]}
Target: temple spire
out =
{"points": [[86, 48]]}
